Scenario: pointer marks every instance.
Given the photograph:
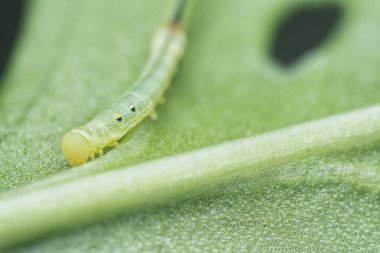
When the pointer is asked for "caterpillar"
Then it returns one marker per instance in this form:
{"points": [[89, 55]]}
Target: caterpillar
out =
{"points": [[84, 143]]}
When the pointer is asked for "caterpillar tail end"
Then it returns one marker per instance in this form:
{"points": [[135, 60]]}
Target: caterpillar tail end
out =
{"points": [[76, 148]]}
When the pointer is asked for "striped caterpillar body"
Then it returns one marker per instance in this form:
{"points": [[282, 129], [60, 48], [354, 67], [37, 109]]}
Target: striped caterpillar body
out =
{"points": [[83, 143]]}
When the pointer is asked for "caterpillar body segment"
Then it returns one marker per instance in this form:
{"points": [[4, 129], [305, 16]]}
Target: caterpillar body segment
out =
{"points": [[83, 143]]}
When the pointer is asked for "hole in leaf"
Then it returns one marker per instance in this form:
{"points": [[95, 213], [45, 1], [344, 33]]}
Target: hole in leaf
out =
{"points": [[302, 31], [10, 21]]}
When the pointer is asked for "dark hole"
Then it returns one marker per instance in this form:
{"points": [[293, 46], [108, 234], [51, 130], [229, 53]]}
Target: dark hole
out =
{"points": [[10, 21], [302, 31]]}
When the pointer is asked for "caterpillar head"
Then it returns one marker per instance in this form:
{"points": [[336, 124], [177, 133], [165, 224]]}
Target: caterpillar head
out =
{"points": [[76, 148]]}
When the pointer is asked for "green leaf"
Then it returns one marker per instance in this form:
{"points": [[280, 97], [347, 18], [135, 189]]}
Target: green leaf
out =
{"points": [[313, 187]]}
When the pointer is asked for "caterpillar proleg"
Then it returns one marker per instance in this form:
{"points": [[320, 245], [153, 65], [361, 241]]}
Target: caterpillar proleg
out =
{"points": [[83, 143]]}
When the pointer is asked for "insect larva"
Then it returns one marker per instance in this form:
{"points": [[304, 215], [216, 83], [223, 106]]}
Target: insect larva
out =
{"points": [[83, 143]]}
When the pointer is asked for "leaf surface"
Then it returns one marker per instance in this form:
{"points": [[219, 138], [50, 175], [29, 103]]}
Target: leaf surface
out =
{"points": [[75, 58]]}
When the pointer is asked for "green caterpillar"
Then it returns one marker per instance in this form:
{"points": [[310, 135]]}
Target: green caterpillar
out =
{"points": [[83, 143]]}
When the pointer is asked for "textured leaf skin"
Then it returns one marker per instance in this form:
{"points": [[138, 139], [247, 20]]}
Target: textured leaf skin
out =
{"points": [[226, 88]]}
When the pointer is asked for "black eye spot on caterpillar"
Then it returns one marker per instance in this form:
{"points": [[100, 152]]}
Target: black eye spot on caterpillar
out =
{"points": [[133, 109], [118, 117]]}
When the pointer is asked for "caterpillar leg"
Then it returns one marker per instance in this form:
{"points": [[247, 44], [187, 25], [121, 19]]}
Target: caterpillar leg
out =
{"points": [[153, 115], [113, 144], [161, 101]]}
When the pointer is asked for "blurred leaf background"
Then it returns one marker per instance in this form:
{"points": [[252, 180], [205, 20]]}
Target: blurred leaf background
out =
{"points": [[73, 58]]}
